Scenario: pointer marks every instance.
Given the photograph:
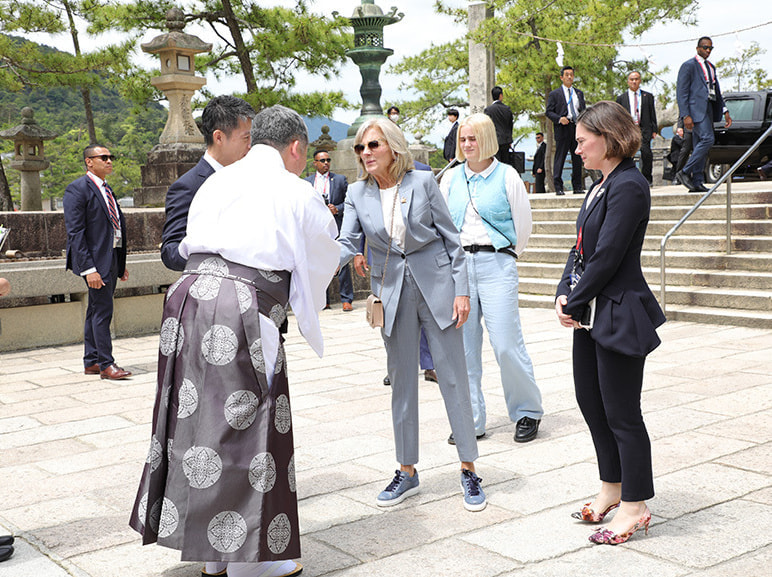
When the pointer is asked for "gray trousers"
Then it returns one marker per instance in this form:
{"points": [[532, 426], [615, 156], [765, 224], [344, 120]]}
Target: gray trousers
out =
{"points": [[447, 349]]}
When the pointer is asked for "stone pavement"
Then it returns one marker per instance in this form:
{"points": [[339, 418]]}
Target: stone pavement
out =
{"points": [[73, 446]]}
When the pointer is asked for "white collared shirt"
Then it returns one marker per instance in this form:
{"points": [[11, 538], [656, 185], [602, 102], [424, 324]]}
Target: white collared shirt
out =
{"points": [[636, 114], [570, 94], [212, 162], [322, 184], [117, 233]]}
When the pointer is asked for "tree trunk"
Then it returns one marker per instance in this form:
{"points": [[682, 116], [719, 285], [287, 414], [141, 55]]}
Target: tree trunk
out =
{"points": [[6, 203], [85, 92], [241, 49]]}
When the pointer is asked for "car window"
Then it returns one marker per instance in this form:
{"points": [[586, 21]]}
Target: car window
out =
{"points": [[740, 108]]}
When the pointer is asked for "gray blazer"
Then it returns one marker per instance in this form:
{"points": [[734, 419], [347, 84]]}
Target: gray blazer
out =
{"points": [[432, 254]]}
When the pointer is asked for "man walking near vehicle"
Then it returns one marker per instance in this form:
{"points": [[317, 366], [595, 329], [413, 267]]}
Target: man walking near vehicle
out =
{"points": [[641, 106], [700, 105]]}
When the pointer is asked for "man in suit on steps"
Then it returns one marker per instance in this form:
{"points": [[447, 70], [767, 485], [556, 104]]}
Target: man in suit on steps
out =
{"points": [[640, 104], [564, 104]]}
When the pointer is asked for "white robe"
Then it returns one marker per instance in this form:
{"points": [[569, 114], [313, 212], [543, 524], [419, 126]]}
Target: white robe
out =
{"points": [[256, 213]]}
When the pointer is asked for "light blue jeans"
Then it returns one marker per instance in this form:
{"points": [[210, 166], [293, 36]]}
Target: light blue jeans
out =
{"points": [[493, 293]]}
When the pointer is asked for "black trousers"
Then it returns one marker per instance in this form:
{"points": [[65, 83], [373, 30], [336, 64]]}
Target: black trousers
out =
{"points": [[565, 142], [538, 182], [647, 156], [608, 390]]}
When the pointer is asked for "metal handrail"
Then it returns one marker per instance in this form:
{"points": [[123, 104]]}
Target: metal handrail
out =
{"points": [[726, 177]]}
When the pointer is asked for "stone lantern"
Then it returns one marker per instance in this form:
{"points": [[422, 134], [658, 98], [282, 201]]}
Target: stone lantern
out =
{"points": [[28, 140], [178, 80], [369, 55], [181, 144]]}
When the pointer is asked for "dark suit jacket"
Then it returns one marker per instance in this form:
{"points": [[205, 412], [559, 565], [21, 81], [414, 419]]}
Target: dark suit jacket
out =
{"points": [[557, 106], [178, 199], [538, 158], [613, 228], [89, 230], [692, 93], [337, 194], [502, 118], [648, 122], [449, 150]]}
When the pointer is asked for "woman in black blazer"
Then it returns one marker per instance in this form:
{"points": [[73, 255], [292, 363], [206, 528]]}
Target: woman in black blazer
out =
{"points": [[603, 288]]}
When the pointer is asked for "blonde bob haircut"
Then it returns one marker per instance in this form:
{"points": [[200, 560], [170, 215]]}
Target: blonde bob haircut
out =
{"points": [[614, 123], [402, 160], [485, 133]]}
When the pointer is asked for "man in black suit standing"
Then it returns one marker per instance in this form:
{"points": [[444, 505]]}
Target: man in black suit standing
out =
{"points": [[332, 187], [538, 164], [449, 149], [502, 118], [96, 250], [640, 104], [564, 104], [225, 122]]}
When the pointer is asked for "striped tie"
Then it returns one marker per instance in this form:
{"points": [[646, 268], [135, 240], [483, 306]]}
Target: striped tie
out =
{"points": [[111, 208]]}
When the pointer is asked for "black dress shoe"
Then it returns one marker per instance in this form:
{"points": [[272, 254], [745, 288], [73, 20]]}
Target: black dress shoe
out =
{"points": [[580, 191], [6, 540], [452, 441], [560, 193], [685, 179], [386, 381], [699, 188], [526, 429], [5, 552]]}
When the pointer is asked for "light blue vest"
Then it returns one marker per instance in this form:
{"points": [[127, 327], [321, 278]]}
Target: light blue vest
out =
{"points": [[490, 198]]}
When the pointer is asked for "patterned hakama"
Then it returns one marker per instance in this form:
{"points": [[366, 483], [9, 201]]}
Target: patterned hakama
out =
{"points": [[219, 481]]}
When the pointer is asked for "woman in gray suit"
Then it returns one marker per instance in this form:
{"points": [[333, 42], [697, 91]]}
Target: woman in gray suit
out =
{"points": [[418, 271]]}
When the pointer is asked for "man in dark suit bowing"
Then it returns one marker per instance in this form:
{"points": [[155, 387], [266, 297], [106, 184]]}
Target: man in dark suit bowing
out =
{"points": [[96, 250], [640, 104], [332, 187], [700, 105], [502, 118], [564, 104], [225, 122]]}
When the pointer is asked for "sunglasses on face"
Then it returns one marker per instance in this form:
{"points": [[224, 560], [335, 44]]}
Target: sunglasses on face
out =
{"points": [[708, 48], [372, 145], [104, 157], [324, 160]]}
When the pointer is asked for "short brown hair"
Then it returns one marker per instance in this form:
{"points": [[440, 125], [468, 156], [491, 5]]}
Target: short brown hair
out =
{"points": [[615, 124]]}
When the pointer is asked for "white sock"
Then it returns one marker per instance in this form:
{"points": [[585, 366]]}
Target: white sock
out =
{"points": [[262, 569], [215, 567]]}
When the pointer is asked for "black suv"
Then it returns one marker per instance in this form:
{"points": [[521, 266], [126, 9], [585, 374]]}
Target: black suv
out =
{"points": [[751, 114]]}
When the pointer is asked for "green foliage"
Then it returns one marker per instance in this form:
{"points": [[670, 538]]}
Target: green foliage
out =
{"points": [[523, 35], [272, 48], [744, 69]]}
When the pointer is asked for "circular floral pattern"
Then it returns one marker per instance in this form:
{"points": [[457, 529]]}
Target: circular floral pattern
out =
{"points": [[175, 286], [142, 509], [188, 399], [155, 454], [227, 531], [169, 446], [278, 315], [270, 276], [291, 473], [172, 337], [256, 354], [282, 419], [244, 297], [279, 533], [219, 345], [241, 409], [164, 517], [202, 466], [280, 360], [262, 472]]}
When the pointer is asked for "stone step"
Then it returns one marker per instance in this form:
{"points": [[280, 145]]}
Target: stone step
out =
{"points": [[677, 242], [668, 213], [659, 198], [710, 315], [658, 229]]}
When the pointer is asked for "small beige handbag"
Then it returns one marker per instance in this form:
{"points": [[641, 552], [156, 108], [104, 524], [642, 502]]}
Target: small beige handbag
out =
{"points": [[374, 305]]}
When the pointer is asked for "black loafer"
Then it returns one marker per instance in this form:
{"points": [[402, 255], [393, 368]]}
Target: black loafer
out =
{"points": [[685, 179], [452, 441], [386, 381], [526, 429], [5, 552], [6, 540]]}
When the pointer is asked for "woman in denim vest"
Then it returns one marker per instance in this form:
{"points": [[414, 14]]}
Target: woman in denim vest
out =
{"points": [[489, 206]]}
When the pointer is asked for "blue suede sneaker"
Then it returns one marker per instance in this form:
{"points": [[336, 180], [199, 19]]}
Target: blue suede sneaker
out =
{"points": [[400, 488], [474, 497]]}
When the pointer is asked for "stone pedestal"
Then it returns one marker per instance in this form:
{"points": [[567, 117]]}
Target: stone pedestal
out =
{"points": [[344, 161], [165, 164], [482, 72]]}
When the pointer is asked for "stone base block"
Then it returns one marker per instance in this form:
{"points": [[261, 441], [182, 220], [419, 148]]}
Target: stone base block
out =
{"points": [[165, 164]]}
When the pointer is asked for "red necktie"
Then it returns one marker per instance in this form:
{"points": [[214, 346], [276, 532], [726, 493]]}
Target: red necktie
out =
{"points": [[111, 208]]}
